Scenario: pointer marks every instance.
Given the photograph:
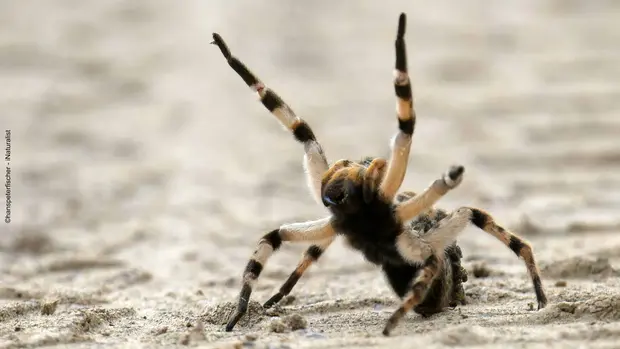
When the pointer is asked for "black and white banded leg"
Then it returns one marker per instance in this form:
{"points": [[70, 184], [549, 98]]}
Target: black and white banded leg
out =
{"points": [[312, 254], [308, 231], [401, 142], [433, 263], [315, 162], [450, 227]]}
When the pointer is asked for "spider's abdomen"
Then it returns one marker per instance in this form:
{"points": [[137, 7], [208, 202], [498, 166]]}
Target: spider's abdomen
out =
{"points": [[447, 289]]}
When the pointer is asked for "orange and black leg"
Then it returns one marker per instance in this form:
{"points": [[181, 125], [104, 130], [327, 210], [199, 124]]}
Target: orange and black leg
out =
{"points": [[413, 206], [315, 161], [308, 231], [401, 143], [417, 293], [450, 227], [312, 254]]}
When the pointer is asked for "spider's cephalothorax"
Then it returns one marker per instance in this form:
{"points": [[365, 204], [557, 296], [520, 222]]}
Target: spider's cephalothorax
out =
{"points": [[413, 242]]}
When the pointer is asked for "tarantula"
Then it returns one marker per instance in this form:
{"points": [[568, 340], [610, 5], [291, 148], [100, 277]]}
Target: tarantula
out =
{"points": [[414, 243]]}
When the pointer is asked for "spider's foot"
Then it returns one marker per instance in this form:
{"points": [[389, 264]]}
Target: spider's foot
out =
{"points": [[401, 55], [402, 25], [393, 321], [273, 300], [454, 176], [541, 297], [387, 330], [542, 303], [243, 71], [242, 308], [219, 42], [233, 321]]}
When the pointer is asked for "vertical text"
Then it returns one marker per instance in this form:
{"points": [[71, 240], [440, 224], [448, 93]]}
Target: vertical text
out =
{"points": [[7, 175]]}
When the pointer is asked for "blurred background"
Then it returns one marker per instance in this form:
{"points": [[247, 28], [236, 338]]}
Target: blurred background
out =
{"points": [[136, 149]]}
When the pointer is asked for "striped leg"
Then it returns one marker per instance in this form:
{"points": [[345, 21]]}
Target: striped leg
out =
{"points": [[401, 143], [519, 246], [308, 231], [419, 288], [457, 221], [412, 248], [312, 254], [315, 162], [412, 207]]}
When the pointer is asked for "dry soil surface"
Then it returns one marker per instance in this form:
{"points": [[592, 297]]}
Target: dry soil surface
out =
{"points": [[144, 171]]}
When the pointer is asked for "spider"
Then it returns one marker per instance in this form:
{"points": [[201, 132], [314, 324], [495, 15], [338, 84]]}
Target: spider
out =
{"points": [[412, 242]]}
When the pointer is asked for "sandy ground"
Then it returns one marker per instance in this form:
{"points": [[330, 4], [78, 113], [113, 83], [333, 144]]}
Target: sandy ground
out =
{"points": [[144, 171]]}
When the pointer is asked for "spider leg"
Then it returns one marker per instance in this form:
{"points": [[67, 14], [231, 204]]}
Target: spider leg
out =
{"points": [[308, 231], [433, 264], [404, 196], [401, 142], [372, 178], [457, 221], [312, 254], [315, 162], [408, 209]]}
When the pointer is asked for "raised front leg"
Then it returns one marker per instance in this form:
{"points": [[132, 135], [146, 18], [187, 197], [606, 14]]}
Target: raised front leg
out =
{"points": [[408, 209], [401, 143], [308, 231], [315, 161]]}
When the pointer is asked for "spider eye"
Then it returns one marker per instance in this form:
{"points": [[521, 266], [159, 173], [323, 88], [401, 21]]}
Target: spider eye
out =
{"points": [[339, 197], [333, 199], [334, 196]]}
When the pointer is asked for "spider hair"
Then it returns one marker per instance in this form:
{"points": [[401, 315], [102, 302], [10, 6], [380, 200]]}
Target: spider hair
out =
{"points": [[413, 242]]}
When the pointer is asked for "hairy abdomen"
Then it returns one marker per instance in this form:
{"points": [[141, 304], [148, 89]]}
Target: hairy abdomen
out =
{"points": [[445, 291]]}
